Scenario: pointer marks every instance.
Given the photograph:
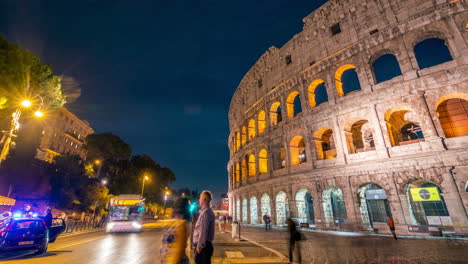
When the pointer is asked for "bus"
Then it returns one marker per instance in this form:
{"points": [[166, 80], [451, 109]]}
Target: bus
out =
{"points": [[126, 213]]}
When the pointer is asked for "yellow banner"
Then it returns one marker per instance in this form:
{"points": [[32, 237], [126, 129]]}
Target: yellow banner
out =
{"points": [[425, 194]]}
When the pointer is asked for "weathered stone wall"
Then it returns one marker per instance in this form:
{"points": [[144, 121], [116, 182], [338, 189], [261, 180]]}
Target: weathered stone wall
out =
{"points": [[317, 54]]}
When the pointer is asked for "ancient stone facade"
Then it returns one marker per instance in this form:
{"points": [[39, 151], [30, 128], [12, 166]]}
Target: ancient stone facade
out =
{"points": [[322, 132]]}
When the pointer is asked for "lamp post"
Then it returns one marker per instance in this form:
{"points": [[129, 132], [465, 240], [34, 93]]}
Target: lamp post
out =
{"points": [[14, 126], [166, 193], [145, 178]]}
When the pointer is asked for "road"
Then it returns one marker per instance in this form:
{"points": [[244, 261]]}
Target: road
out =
{"points": [[98, 248]]}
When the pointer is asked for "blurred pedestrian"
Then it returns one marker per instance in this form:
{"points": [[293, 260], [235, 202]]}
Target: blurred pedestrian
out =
{"points": [[294, 238], [203, 233], [174, 242], [267, 221], [48, 218], [391, 225], [26, 211]]}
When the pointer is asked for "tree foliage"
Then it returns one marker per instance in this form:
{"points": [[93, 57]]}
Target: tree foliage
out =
{"points": [[106, 147]]}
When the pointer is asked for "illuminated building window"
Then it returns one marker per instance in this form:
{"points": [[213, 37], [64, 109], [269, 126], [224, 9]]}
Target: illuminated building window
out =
{"points": [[244, 136], [324, 144], [431, 52], [359, 136], [297, 150], [403, 127], [238, 172], [279, 160], [238, 140], [293, 104], [453, 117], [275, 114], [346, 80], [261, 122], [252, 165], [244, 168], [317, 93], [385, 68], [335, 29], [263, 161], [251, 130]]}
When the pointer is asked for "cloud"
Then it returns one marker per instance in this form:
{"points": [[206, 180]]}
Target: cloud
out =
{"points": [[71, 88]]}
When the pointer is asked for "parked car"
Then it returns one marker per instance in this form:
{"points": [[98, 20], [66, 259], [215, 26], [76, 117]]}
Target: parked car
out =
{"points": [[29, 233]]}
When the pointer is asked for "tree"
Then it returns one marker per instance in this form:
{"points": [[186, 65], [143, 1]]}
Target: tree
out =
{"points": [[106, 147]]}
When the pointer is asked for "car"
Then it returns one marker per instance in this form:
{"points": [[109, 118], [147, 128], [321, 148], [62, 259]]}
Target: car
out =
{"points": [[29, 234]]}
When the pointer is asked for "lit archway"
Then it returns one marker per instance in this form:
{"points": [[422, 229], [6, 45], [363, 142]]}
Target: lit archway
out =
{"points": [[243, 136], [261, 122], [333, 206], [359, 135], [252, 165], [305, 207], [238, 173], [282, 208], [253, 210], [402, 126], [373, 205], [266, 206], [251, 130], [263, 161], [244, 168], [293, 104], [431, 52], [244, 210], [317, 93], [325, 143], [238, 140], [275, 114], [453, 115], [297, 150], [346, 80]]}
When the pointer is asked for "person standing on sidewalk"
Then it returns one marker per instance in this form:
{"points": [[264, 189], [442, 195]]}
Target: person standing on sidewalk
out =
{"points": [[203, 233], [294, 238], [267, 221], [391, 225], [174, 242]]}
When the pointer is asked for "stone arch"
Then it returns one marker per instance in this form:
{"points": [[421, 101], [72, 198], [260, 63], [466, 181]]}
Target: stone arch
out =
{"points": [[452, 111], [293, 104], [279, 156], [238, 140], [261, 122], [238, 173], [243, 136], [244, 210], [251, 131], [346, 80], [359, 135], [373, 204], [385, 67], [282, 208], [263, 161], [297, 150], [305, 207], [403, 126], [253, 210], [334, 206], [431, 52], [265, 205], [244, 168], [426, 205], [317, 93], [252, 165], [238, 210], [324, 143], [275, 114]]}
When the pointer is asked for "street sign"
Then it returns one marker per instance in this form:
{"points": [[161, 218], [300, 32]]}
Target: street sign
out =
{"points": [[376, 194], [425, 194]]}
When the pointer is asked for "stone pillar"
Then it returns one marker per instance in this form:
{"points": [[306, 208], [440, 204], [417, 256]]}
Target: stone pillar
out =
{"points": [[340, 153], [454, 203], [248, 211], [379, 138], [349, 199]]}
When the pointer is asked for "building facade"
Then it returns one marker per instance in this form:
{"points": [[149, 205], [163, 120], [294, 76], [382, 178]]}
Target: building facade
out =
{"points": [[63, 133], [359, 117]]}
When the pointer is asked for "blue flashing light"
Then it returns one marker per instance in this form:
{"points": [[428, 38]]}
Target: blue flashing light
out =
{"points": [[17, 215], [193, 207], [35, 215]]}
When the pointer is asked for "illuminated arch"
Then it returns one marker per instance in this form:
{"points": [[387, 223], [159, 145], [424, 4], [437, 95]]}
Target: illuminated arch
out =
{"points": [[263, 161], [238, 172], [305, 207], [359, 135], [261, 122], [238, 140], [252, 165], [244, 136], [251, 130], [317, 93], [293, 104], [253, 210], [243, 169], [402, 126], [275, 114], [324, 143], [343, 86], [333, 206], [452, 111], [282, 208], [297, 150]]}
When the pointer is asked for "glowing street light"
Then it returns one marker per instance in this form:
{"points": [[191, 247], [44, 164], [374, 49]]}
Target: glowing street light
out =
{"points": [[26, 103], [104, 182], [39, 113], [145, 178]]}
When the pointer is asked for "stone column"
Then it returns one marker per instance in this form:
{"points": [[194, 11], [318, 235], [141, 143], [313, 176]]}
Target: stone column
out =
{"points": [[454, 203], [338, 135], [379, 137]]}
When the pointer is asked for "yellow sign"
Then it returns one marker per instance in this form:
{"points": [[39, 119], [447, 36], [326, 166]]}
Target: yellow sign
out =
{"points": [[126, 202], [425, 194]]}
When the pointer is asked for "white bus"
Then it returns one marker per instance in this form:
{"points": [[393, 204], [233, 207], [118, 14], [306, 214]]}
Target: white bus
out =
{"points": [[126, 213]]}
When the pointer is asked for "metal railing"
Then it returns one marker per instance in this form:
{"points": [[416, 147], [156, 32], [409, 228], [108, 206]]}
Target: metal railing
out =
{"points": [[73, 226]]}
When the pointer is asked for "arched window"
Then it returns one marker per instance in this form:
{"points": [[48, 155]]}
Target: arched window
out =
{"points": [[244, 210], [278, 156], [252, 169], [263, 161], [453, 117], [253, 210], [305, 207], [325, 144], [238, 172], [431, 52], [251, 131], [293, 104], [346, 80], [282, 208], [244, 136], [238, 140], [373, 205], [359, 136], [427, 206], [275, 113], [244, 168], [334, 207], [261, 122], [385, 68], [265, 205], [297, 149], [317, 93], [402, 126]]}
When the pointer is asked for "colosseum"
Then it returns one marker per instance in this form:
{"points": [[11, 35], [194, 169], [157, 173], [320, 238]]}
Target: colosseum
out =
{"points": [[359, 117]]}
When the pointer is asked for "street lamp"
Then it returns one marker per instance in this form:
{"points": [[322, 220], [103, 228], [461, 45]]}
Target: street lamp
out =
{"points": [[14, 126], [145, 178], [104, 182], [166, 193], [99, 164]]}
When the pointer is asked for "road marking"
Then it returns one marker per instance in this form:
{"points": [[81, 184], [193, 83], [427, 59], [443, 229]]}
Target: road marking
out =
{"points": [[234, 254], [277, 253], [73, 244]]}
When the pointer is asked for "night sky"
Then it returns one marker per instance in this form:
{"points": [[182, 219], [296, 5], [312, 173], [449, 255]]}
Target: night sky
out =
{"points": [[159, 74]]}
